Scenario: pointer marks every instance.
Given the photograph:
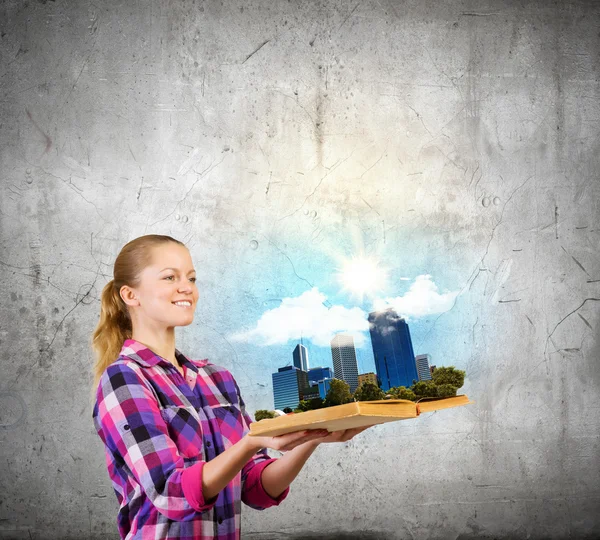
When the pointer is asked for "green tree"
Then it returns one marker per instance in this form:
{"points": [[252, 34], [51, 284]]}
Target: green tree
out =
{"points": [[310, 404], [423, 389], [446, 390], [401, 392], [315, 403], [449, 375], [303, 406], [394, 391], [261, 414], [338, 394], [407, 394], [368, 391]]}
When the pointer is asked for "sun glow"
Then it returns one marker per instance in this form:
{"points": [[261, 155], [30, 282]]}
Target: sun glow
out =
{"points": [[362, 276]]}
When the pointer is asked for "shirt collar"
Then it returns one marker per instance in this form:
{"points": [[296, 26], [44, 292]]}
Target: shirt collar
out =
{"points": [[139, 353]]}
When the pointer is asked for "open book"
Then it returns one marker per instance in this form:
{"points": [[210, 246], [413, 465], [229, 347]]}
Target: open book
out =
{"points": [[354, 414]]}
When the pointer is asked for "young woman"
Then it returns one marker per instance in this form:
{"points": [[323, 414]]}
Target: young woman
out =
{"points": [[175, 429]]}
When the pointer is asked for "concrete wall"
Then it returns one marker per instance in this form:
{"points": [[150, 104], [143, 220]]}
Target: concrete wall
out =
{"points": [[455, 140]]}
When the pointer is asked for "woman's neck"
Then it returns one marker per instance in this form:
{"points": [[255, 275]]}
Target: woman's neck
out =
{"points": [[161, 343]]}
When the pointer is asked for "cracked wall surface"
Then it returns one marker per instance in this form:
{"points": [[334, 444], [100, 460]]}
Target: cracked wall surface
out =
{"points": [[456, 140]]}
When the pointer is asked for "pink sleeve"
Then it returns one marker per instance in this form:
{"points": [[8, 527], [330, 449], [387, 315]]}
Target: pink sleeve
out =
{"points": [[191, 483], [253, 492]]}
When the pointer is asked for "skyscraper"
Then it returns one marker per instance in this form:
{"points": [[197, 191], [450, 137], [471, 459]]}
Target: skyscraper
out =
{"points": [[324, 386], [423, 369], [301, 357], [317, 373], [310, 392], [320, 377], [392, 348], [344, 360], [288, 384]]}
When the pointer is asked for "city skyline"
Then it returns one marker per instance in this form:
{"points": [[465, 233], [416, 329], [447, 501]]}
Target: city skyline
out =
{"points": [[395, 362]]}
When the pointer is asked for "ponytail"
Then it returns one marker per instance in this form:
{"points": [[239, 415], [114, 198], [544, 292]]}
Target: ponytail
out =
{"points": [[112, 330]]}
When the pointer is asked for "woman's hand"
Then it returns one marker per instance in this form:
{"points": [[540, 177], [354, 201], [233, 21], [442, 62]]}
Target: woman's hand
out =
{"points": [[280, 474], [342, 435], [289, 441], [311, 437]]}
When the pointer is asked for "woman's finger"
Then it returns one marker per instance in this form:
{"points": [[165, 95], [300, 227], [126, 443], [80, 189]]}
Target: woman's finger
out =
{"points": [[345, 435], [296, 438], [293, 445], [356, 431], [304, 435], [350, 433]]}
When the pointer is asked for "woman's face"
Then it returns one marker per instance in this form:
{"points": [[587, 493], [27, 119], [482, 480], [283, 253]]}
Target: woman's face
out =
{"points": [[167, 294]]}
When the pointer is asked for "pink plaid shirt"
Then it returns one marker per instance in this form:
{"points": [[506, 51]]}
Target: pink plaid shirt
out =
{"points": [[159, 429]]}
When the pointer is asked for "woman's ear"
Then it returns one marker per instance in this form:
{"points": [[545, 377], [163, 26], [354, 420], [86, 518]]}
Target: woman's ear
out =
{"points": [[129, 296]]}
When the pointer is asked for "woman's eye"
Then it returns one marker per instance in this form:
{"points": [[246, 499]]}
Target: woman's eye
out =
{"points": [[193, 280], [169, 277]]}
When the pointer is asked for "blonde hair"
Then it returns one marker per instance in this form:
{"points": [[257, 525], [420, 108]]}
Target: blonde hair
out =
{"points": [[114, 326]]}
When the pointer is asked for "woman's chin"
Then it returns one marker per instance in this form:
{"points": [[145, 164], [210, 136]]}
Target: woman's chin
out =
{"points": [[189, 321], [183, 321]]}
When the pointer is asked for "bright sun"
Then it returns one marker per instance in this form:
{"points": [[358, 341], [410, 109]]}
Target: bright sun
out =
{"points": [[362, 276]]}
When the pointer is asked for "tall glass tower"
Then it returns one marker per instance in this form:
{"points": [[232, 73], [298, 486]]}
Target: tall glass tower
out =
{"points": [[392, 348], [318, 373], [301, 357], [423, 363], [344, 360], [288, 384]]}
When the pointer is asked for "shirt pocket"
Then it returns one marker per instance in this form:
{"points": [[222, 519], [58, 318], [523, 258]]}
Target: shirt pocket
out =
{"points": [[229, 418], [185, 430]]}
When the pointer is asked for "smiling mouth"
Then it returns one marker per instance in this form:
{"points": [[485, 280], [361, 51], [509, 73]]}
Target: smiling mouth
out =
{"points": [[184, 303]]}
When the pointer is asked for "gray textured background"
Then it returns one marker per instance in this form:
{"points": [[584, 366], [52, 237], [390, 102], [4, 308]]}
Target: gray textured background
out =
{"points": [[223, 122]]}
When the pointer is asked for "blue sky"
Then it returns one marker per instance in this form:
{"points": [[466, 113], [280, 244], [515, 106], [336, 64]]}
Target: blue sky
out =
{"points": [[316, 317]]}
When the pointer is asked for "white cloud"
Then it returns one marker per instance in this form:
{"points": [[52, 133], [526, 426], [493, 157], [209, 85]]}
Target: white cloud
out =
{"points": [[422, 299], [306, 316]]}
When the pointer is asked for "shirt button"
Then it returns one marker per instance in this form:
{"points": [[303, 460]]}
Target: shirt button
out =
{"points": [[208, 444], [220, 520]]}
